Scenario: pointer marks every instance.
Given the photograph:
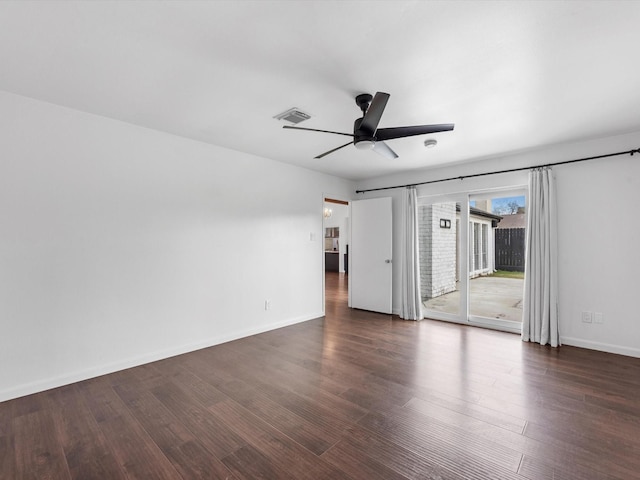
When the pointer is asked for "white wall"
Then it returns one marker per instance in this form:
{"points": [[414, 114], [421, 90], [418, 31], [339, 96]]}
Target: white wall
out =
{"points": [[121, 245], [599, 232]]}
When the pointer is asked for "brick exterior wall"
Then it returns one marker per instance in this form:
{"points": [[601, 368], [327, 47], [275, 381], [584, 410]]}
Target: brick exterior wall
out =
{"points": [[437, 250]]}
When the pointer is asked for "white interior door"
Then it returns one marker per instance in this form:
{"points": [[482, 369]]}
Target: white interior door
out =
{"points": [[370, 267]]}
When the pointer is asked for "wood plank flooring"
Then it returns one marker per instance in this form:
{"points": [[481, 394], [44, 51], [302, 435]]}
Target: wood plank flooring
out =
{"points": [[353, 395]]}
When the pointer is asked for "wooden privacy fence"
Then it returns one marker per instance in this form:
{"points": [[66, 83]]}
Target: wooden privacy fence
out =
{"points": [[510, 249]]}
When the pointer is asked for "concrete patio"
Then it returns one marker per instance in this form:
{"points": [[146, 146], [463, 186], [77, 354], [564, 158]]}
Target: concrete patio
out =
{"points": [[491, 297]]}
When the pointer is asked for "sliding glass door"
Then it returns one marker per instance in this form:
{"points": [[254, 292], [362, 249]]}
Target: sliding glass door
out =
{"points": [[472, 258]]}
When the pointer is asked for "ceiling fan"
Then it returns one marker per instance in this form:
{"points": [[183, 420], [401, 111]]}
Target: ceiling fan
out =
{"points": [[366, 134]]}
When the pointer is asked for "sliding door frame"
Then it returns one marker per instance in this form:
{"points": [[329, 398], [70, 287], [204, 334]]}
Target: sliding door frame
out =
{"points": [[463, 316]]}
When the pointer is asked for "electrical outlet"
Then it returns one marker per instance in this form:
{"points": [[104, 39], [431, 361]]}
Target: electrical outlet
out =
{"points": [[267, 304], [587, 317], [598, 317]]}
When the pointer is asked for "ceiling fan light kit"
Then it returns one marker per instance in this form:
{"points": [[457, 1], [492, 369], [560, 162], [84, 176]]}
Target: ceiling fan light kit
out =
{"points": [[366, 134], [365, 144]]}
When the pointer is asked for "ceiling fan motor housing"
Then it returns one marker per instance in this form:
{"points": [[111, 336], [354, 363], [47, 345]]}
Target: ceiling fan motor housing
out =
{"points": [[360, 135]]}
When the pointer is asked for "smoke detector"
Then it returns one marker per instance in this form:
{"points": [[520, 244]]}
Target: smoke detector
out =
{"points": [[293, 115]]}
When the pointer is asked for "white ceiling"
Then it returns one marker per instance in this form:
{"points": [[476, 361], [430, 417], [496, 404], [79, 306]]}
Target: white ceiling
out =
{"points": [[510, 75]]}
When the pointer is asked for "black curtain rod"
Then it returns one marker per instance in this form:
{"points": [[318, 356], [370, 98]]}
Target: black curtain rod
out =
{"points": [[462, 177]]}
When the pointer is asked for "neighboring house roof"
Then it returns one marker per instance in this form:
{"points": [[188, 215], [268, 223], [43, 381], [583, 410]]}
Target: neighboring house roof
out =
{"points": [[481, 213], [517, 220]]}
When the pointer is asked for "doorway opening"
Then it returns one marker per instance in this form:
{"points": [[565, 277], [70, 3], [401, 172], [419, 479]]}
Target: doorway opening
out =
{"points": [[336, 235], [472, 258]]}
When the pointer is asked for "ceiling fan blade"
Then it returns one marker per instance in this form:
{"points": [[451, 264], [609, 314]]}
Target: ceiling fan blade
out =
{"points": [[331, 151], [316, 130], [384, 150], [372, 118], [399, 132]]}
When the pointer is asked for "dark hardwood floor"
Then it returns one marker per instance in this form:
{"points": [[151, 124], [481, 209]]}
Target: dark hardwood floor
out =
{"points": [[352, 395]]}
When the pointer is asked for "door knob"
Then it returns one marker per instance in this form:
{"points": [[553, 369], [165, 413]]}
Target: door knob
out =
{"points": [[387, 261]]}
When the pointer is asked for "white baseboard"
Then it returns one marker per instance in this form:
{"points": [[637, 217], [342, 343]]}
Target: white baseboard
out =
{"points": [[603, 347], [42, 385]]}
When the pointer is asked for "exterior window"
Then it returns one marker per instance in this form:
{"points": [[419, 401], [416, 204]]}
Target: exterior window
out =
{"points": [[471, 256], [477, 247], [479, 251], [485, 246]]}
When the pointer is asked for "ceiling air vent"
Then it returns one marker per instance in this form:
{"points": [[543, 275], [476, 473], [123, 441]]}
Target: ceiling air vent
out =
{"points": [[293, 115]]}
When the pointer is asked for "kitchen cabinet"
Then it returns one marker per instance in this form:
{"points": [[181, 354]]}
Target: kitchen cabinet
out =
{"points": [[331, 261]]}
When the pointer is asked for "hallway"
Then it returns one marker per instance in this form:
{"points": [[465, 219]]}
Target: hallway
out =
{"points": [[336, 290]]}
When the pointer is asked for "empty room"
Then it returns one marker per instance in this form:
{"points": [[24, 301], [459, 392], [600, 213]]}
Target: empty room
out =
{"points": [[380, 240]]}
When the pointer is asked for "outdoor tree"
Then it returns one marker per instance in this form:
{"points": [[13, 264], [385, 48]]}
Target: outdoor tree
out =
{"points": [[509, 208], [513, 207]]}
